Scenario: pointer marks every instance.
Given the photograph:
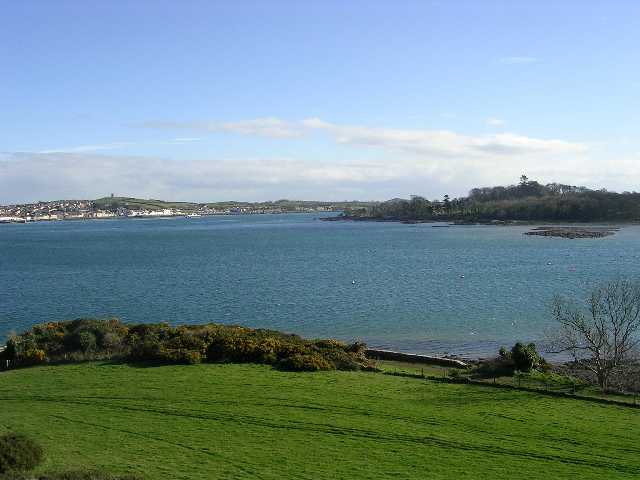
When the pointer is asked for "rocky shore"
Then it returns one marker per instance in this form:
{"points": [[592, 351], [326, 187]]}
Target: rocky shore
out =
{"points": [[573, 232]]}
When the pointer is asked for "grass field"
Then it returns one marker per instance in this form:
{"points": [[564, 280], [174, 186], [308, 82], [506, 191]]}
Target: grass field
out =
{"points": [[249, 421]]}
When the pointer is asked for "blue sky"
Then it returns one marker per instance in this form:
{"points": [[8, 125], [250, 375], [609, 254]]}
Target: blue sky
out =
{"points": [[205, 100]]}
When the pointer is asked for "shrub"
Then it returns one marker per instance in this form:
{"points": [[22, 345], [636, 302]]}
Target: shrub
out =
{"points": [[358, 349], [33, 356], [525, 357], [182, 356], [18, 453], [341, 360], [10, 350], [305, 363], [145, 348], [330, 344], [504, 353], [268, 350], [495, 367], [86, 341], [89, 339], [111, 342]]}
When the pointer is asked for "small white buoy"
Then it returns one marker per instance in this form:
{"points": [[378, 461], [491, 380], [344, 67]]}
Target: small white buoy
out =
{"points": [[353, 282], [548, 263], [461, 276]]}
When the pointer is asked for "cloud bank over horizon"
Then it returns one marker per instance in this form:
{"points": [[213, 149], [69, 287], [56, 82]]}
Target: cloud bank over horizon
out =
{"points": [[368, 163]]}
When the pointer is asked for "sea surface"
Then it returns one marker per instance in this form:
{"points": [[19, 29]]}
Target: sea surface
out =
{"points": [[422, 288]]}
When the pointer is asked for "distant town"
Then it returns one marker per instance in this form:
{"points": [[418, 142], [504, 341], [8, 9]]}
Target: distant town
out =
{"points": [[126, 207]]}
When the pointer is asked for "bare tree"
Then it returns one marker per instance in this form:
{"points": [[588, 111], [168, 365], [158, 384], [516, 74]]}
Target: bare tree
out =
{"points": [[603, 335]]}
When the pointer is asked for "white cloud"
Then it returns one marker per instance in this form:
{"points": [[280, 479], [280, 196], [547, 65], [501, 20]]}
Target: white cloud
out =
{"points": [[263, 127], [90, 148], [522, 60], [315, 123], [443, 143], [361, 162], [26, 177], [450, 163], [119, 145], [495, 122], [426, 142]]}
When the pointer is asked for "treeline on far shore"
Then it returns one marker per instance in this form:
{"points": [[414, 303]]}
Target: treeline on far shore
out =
{"points": [[526, 201], [160, 343]]}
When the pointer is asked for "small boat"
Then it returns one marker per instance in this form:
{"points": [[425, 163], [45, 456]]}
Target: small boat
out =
{"points": [[193, 215]]}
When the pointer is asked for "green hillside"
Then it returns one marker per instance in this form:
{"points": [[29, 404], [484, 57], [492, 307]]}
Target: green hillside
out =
{"points": [[141, 204], [216, 421], [111, 203]]}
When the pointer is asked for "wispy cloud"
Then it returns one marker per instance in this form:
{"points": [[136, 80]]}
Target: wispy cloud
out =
{"points": [[495, 122], [518, 60], [90, 148], [120, 145], [443, 143], [263, 127]]}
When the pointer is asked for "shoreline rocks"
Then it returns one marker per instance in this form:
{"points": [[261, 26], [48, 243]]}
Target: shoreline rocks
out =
{"points": [[573, 232]]}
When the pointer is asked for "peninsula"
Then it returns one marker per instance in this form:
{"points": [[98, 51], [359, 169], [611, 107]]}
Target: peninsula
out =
{"points": [[526, 202]]}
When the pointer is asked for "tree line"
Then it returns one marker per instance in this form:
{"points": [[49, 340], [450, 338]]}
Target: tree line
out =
{"points": [[527, 201]]}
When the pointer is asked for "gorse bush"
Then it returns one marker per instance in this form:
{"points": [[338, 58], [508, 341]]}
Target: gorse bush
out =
{"points": [[161, 343], [83, 339], [18, 453], [310, 362]]}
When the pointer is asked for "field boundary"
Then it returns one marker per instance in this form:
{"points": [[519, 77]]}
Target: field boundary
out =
{"points": [[468, 381]]}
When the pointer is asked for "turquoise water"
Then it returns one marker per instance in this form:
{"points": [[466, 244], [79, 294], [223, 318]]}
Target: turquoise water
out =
{"points": [[463, 289]]}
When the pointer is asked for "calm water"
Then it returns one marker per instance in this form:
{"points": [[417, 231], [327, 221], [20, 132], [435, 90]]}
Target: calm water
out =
{"points": [[417, 288]]}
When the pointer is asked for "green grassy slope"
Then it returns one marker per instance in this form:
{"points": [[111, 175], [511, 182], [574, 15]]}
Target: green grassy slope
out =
{"points": [[139, 203], [249, 421]]}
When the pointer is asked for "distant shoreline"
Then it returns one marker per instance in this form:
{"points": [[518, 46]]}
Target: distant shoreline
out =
{"points": [[151, 217]]}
